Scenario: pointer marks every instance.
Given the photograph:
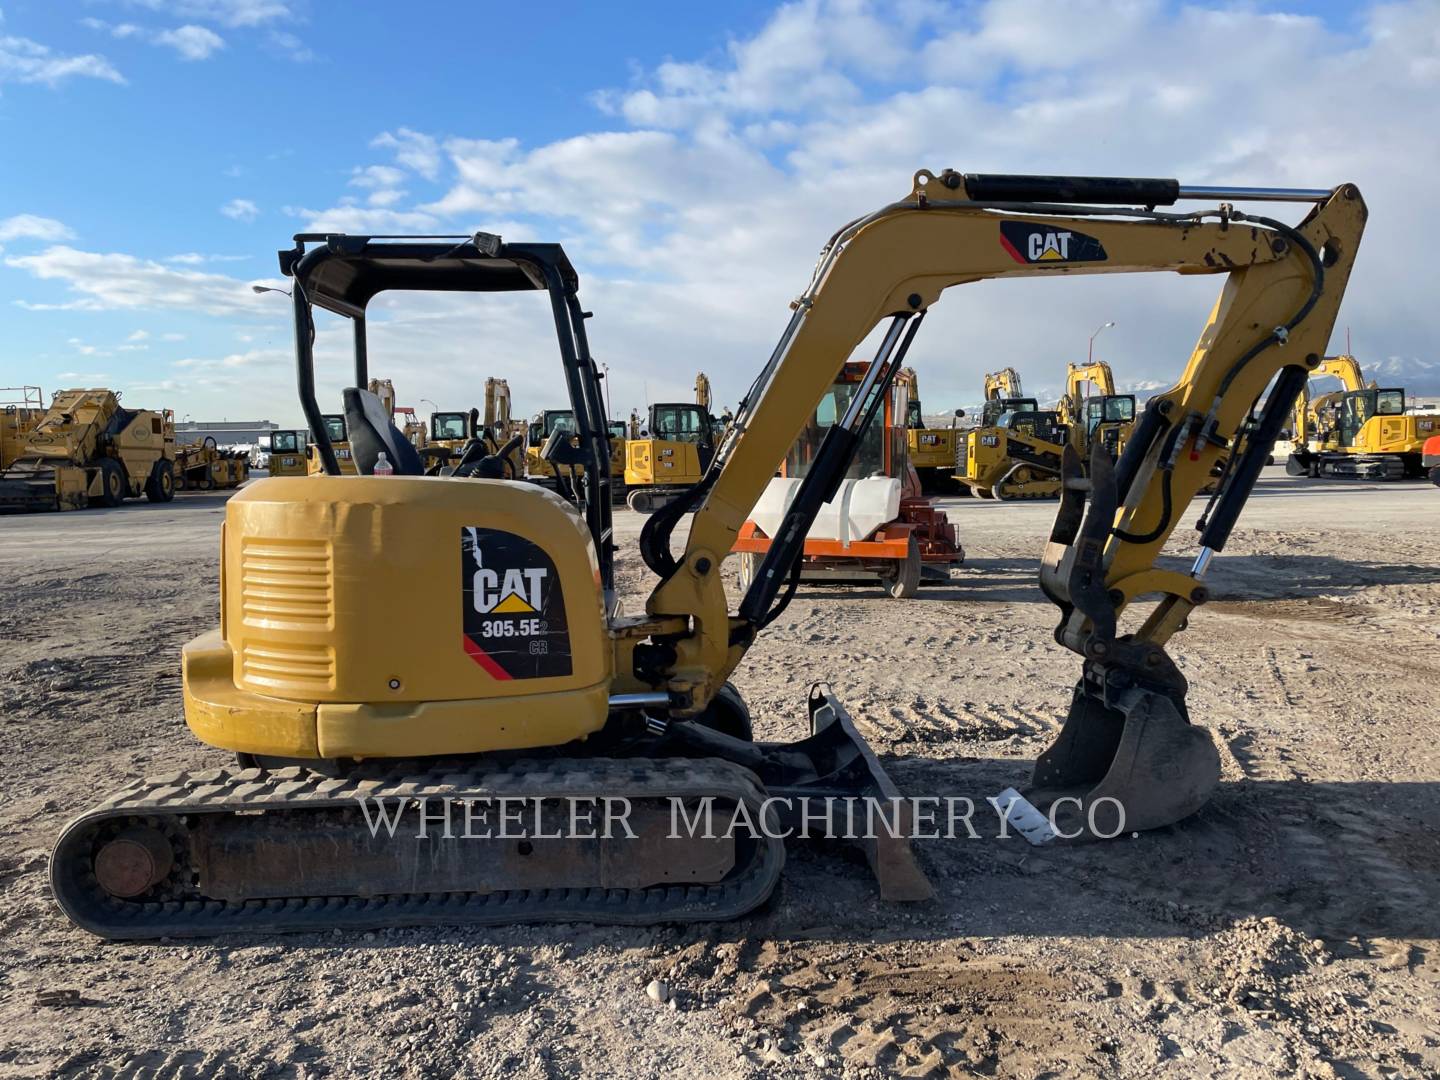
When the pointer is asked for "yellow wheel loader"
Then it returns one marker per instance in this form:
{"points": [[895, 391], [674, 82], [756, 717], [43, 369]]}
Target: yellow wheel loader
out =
{"points": [[675, 453], [88, 450], [1363, 432], [390, 780]]}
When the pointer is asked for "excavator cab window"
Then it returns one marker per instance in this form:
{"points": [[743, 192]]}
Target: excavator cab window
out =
{"points": [[448, 425], [680, 423], [617, 430], [284, 442], [1389, 402], [913, 419], [559, 420], [335, 428], [869, 456], [1111, 409]]}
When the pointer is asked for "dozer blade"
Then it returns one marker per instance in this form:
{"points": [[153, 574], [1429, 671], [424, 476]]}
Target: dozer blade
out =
{"points": [[831, 777], [889, 853], [1134, 766]]}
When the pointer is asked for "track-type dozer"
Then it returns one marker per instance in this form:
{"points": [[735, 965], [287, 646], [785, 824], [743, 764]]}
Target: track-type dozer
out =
{"points": [[88, 450], [330, 676]]}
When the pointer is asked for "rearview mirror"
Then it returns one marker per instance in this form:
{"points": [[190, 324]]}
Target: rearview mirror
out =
{"points": [[959, 414]]}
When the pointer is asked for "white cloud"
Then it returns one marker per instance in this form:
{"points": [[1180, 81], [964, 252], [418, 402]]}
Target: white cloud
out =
{"points": [[25, 61], [413, 149], [290, 46], [34, 227], [108, 282], [376, 176], [195, 258], [361, 220], [96, 377], [224, 12], [139, 335], [191, 42], [241, 210]]}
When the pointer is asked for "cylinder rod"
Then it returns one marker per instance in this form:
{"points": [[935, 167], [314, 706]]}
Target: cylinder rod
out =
{"points": [[1257, 194]]}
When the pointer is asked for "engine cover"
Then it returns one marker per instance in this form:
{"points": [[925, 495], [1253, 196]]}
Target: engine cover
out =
{"points": [[396, 616]]}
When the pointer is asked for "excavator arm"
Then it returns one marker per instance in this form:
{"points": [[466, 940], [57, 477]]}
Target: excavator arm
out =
{"points": [[1003, 384], [1274, 316]]}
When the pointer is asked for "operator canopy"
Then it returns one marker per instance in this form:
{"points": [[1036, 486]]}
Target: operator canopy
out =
{"points": [[346, 272]]}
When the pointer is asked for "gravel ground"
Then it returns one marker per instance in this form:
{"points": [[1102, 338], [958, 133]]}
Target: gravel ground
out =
{"points": [[1287, 930]]}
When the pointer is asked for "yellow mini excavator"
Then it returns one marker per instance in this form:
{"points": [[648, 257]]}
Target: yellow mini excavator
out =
{"points": [[676, 453], [1361, 432], [287, 453], [328, 675]]}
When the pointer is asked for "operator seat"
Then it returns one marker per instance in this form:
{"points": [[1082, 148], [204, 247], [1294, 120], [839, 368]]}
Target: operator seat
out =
{"points": [[371, 430]]}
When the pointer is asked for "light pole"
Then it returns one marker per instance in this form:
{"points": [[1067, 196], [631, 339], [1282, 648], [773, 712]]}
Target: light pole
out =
{"points": [[260, 289], [433, 406], [1090, 353], [606, 368]]}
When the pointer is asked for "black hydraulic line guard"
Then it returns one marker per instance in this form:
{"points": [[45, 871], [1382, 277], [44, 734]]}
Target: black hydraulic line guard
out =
{"points": [[1278, 408], [1097, 190]]}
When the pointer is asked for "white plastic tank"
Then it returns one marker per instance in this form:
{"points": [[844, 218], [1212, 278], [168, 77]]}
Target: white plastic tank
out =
{"points": [[857, 512]]}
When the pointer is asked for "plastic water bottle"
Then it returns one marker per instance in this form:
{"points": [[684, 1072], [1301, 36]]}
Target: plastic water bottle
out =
{"points": [[383, 466]]}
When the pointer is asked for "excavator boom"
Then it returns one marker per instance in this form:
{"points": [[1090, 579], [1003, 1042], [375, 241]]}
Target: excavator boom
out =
{"points": [[1282, 287]]}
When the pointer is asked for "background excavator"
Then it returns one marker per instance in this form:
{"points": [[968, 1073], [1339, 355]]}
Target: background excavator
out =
{"points": [[932, 449], [1361, 432], [329, 675], [676, 453], [1101, 415], [878, 524], [287, 453]]}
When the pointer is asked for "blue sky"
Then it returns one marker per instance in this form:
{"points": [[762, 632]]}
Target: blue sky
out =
{"points": [[691, 157]]}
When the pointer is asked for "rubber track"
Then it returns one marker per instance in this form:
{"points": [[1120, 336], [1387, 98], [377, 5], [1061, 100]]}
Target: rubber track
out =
{"points": [[226, 791]]}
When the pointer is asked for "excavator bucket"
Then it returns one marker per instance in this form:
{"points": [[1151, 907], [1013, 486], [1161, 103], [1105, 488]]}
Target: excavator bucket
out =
{"points": [[1128, 757], [1137, 764]]}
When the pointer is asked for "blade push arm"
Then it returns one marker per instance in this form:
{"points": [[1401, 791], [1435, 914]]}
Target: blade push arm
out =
{"points": [[896, 262]]}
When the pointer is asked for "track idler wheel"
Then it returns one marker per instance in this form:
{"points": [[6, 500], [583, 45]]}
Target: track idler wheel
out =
{"points": [[1137, 766], [134, 862]]}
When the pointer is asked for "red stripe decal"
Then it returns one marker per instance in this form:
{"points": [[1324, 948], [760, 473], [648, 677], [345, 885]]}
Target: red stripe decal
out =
{"points": [[484, 659], [1005, 243]]}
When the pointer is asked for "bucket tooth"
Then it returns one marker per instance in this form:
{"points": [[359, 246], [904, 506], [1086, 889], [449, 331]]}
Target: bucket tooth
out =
{"points": [[1135, 765]]}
